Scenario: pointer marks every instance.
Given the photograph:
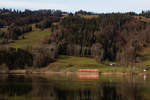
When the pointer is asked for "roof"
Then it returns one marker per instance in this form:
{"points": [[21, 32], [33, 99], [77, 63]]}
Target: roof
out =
{"points": [[88, 70]]}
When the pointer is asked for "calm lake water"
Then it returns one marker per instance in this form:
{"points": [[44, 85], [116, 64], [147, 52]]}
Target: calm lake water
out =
{"points": [[74, 87]]}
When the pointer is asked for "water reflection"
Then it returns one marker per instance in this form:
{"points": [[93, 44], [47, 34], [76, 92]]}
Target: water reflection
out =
{"points": [[61, 87], [85, 75]]}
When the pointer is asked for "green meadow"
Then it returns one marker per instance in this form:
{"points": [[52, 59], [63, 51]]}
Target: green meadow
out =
{"points": [[72, 64], [31, 39]]}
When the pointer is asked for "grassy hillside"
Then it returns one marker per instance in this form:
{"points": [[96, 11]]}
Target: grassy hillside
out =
{"points": [[145, 53], [89, 16], [71, 63], [145, 56], [37, 35], [31, 38], [4, 29], [144, 19]]}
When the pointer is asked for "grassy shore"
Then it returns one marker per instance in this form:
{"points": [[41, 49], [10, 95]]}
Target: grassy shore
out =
{"points": [[72, 64]]}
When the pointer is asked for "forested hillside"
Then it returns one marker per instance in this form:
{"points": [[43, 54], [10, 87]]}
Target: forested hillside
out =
{"points": [[117, 37], [17, 23], [24, 29], [113, 37]]}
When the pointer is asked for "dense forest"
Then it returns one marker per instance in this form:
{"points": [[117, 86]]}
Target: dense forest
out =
{"points": [[113, 37], [106, 37], [36, 57]]}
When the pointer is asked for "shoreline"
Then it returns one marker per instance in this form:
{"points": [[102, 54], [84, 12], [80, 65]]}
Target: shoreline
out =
{"points": [[54, 72]]}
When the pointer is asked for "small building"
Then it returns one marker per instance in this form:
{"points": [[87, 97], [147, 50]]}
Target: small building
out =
{"points": [[112, 64], [88, 70]]}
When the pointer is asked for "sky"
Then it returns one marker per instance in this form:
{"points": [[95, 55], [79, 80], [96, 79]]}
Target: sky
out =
{"points": [[99, 6]]}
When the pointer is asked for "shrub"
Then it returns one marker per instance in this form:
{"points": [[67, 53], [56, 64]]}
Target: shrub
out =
{"points": [[15, 58], [43, 55]]}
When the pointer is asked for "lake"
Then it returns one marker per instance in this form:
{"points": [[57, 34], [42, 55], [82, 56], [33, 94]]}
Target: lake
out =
{"points": [[74, 87]]}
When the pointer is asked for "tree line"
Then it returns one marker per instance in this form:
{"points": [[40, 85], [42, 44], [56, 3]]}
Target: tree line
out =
{"points": [[26, 58], [13, 32], [47, 22], [21, 18]]}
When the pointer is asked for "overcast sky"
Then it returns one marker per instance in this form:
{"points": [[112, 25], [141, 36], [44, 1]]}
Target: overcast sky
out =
{"points": [[75, 5]]}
